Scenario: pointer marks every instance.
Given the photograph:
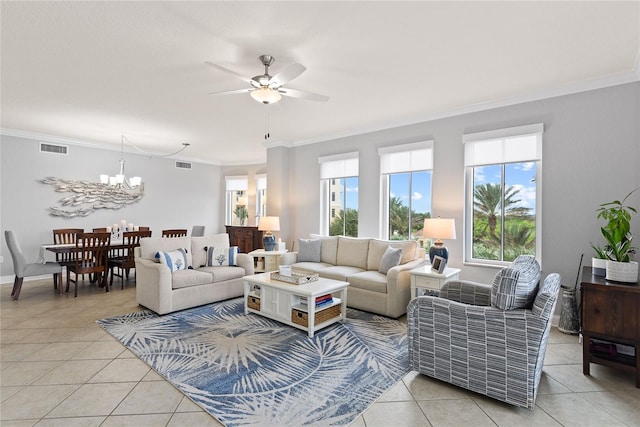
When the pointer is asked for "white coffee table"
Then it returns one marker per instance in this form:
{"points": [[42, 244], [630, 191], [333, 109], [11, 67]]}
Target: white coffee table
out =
{"points": [[424, 278], [281, 300]]}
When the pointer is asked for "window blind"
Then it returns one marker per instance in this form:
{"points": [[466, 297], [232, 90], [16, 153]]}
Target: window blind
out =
{"points": [[261, 182], [236, 183], [339, 165], [417, 156], [517, 144]]}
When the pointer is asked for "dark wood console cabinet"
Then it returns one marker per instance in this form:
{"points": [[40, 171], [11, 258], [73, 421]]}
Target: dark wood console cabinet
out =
{"points": [[247, 239], [610, 312]]}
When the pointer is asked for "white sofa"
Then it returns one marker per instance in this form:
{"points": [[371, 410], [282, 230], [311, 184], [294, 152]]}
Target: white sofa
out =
{"points": [[163, 291], [357, 261]]}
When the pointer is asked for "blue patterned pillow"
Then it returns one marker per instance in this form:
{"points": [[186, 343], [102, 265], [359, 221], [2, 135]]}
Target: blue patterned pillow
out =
{"points": [[176, 260], [218, 257]]}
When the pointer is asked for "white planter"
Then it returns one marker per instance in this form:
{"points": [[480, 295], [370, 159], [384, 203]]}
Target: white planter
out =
{"points": [[599, 266], [622, 271]]}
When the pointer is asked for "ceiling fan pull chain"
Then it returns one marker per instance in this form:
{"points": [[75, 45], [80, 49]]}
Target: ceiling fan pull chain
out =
{"points": [[266, 125]]}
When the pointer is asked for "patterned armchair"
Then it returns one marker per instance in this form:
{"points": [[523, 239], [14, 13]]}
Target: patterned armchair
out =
{"points": [[490, 339]]}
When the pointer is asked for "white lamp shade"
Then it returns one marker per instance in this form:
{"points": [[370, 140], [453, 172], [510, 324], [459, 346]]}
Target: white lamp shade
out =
{"points": [[135, 181], [269, 223], [266, 95], [439, 228], [104, 179]]}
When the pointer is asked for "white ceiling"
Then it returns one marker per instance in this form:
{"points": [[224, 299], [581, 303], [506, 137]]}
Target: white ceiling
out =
{"points": [[89, 71]]}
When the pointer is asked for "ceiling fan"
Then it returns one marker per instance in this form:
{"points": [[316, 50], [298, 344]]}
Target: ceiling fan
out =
{"points": [[269, 89]]}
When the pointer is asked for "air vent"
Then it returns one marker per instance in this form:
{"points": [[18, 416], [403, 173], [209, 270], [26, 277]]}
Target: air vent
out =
{"points": [[53, 148], [183, 165]]}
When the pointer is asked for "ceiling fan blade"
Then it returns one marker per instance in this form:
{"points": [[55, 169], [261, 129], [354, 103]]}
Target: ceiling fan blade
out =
{"points": [[232, 92], [228, 71], [286, 75], [303, 94]]}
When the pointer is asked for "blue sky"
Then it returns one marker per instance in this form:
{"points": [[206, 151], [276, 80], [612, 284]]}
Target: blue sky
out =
{"points": [[421, 190], [520, 175]]}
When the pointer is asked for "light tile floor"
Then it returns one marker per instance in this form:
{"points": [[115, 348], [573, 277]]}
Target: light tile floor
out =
{"points": [[59, 368]]}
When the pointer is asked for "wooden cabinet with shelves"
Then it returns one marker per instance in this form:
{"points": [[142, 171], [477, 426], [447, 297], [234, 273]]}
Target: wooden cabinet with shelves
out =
{"points": [[610, 312], [246, 239]]}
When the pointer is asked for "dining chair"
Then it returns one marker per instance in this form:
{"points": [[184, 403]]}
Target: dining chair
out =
{"points": [[174, 233], [100, 230], [125, 262], [65, 236], [92, 250], [23, 269], [197, 231], [141, 228]]}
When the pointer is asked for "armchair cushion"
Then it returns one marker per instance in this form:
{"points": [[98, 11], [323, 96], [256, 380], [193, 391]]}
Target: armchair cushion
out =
{"points": [[516, 286]]}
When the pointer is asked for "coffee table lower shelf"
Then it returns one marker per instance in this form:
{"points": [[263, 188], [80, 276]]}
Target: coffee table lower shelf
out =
{"points": [[281, 301]]}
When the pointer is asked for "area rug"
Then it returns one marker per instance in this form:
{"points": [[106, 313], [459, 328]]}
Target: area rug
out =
{"points": [[249, 370]]}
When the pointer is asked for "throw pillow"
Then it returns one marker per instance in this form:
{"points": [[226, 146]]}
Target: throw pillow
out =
{"points": [[516, 286], [309, 250], [390, 259], [175, 260], [218, 257]]}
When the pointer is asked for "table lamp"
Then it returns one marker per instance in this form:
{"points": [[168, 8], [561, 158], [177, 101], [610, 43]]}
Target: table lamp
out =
{"points": [[269, 224], [439, 228]]}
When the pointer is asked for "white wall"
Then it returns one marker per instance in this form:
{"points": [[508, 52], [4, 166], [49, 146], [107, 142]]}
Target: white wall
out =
{"points": [[590, 156], [173, 198]]}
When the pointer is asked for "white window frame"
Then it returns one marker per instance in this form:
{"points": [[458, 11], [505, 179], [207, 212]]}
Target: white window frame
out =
{"points": [[501, 147], [233, 184], [261, 195], [404, 158], [337, 166]]}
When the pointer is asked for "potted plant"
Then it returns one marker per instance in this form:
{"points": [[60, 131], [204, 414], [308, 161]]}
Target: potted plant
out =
{"points": [[617, 236], [241, 213]]}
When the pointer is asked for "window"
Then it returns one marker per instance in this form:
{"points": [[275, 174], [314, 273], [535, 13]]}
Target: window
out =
{"points": [[502, 209], [339, 194], [236, 200], [261, 195], [406, 189]]}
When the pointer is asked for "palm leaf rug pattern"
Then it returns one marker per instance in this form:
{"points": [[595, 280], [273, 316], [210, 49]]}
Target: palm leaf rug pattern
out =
{"points": [[247, 369]]}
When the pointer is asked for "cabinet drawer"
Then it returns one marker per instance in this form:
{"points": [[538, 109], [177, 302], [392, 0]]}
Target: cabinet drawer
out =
{"points": [[427, 282]]}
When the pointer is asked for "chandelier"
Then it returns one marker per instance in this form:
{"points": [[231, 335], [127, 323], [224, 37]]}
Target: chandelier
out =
{"points": [[120, 179]]}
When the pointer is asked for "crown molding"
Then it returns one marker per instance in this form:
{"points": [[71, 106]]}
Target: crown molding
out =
{"points": [[92, 144], [568, 89]]}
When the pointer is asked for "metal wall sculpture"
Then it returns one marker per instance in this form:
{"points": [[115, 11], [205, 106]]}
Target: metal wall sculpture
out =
{"points": [[86, 197]]}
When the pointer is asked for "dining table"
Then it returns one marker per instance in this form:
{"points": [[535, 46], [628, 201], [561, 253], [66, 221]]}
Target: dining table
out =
{"points": [[115, 246]]}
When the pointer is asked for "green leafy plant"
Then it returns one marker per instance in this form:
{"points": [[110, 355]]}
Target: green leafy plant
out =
{"points": [[241, 213], [617, 231]]}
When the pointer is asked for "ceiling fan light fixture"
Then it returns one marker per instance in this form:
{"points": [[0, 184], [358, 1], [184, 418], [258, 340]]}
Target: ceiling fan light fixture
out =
{"points": [[266, 95]]}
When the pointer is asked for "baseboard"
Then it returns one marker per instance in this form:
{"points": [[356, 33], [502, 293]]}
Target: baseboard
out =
{"points": [[8, 280]]}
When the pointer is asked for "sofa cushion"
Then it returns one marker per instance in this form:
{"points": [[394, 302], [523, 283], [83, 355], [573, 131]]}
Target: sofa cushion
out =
{"points": [[150, 246], [378, 247], [221, 274], [390, 259], [515, 286], [199, 245], [352, 252], [339, 272], [309, 250], [222, 256], [370, 280], [187, 278], [176, 260], [329, 251]]}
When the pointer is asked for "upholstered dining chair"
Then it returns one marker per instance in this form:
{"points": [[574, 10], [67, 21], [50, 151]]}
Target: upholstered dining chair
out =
{"points": [[490, 339], [174, 233], [92, 251], [23, 269], [197, 231], [125, 262]]}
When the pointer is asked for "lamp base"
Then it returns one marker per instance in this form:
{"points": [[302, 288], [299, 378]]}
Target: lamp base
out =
{"points": [[269, 242], [440, 251]]}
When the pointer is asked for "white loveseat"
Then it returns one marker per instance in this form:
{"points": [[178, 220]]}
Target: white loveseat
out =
{"points": [[358, 261], [163, 291]]}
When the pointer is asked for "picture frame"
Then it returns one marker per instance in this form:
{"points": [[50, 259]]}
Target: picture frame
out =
{"points": [[438, 264]]}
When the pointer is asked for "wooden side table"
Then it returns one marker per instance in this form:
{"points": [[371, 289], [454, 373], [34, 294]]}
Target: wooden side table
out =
{"points": [[423, 279], [266, 260], [610, 312]]}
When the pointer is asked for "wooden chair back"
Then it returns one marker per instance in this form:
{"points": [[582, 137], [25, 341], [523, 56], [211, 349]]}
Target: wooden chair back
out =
{"points": [[174, 233], [65, 236], [92, 258], [132, 240], [141, 228], [100, 230]]}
